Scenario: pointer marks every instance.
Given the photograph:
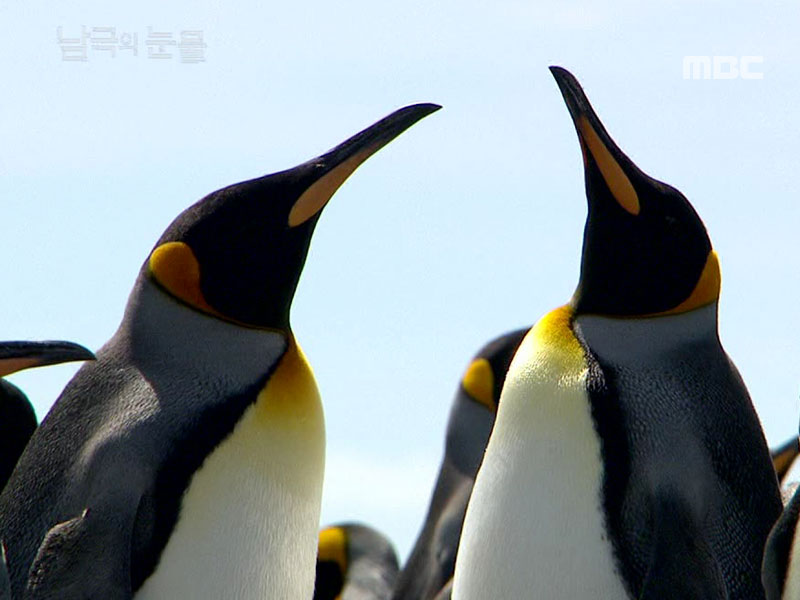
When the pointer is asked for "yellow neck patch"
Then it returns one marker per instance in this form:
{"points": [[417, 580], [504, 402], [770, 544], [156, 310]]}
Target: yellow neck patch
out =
{"points": [[333, 547], [478, 381], [176, 268], [562, 352], [617, 181], [705, 292], [291, 395], [317, 195]]}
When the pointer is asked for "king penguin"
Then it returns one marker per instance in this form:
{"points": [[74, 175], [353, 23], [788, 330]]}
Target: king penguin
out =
{"points": [[354, 562], [17, 417], [627, 460], [187, 461], [432, 560]]}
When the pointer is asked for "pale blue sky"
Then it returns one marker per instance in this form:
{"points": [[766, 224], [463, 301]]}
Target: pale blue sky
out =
{"points": [[466, 226]]}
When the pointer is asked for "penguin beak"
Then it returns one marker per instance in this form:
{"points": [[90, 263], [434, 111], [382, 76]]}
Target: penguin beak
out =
{"points": [[597, 146], [16, 356], [338, 164]]}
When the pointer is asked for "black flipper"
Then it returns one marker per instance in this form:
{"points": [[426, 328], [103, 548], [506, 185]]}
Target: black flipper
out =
{"points": [[74, 562]]}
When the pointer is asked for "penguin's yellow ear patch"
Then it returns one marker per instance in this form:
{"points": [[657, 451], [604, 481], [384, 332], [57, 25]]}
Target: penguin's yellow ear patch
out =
{"points": [[707, 289], [478, 381], [617, 181], [317, 195], [333, 547], [177, 270]]}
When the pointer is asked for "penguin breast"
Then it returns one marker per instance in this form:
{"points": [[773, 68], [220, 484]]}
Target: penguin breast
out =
{"points": [[535, 525], [248, 521]]}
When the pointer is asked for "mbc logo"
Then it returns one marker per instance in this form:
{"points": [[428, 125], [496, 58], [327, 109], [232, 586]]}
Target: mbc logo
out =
{"points": [[721, 67]]}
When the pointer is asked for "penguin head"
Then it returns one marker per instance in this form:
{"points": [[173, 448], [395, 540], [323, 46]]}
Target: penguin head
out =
{"points": [[17, 417], [645, 249], [332, 563], [356, 557], [237, 254], [475, 406], [483, 380]]}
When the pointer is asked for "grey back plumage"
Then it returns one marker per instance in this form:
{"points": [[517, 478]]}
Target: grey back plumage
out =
{"points": [[680, 435], [117, 440]]}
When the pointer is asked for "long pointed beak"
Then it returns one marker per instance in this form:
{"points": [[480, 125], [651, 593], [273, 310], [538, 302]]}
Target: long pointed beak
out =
{"points": [[336, 165], [615, 167], [376, 136], [16, 356]]}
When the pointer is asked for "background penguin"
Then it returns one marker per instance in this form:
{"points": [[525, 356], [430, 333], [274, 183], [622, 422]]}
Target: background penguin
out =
{"points": [[354, 562], [783, 458], [780, 571], [626, 460], [433, 558], [187, 461], [17, 417]]}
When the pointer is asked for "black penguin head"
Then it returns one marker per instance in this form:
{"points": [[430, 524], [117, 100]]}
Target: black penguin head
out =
{"points": [[484, 378], [645, 250], [17, 417], [238, 253]]}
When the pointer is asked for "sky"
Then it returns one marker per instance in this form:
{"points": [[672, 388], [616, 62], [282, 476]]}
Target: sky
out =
{"points": [[466, 226]]}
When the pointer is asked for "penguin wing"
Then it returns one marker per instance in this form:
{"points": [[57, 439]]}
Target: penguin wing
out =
{"points": [[73, 562], [432, 561], [697, 575], [778, 550]]}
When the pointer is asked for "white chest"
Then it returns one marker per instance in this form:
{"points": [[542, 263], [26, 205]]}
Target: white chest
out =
{"points": [[249, 519], [535, 525]]}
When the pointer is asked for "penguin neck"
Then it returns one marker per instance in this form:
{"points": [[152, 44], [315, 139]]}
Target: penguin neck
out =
{"points": [[162, 330], [622, 340], [268, 466], [468, 432], [544, 452]]}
